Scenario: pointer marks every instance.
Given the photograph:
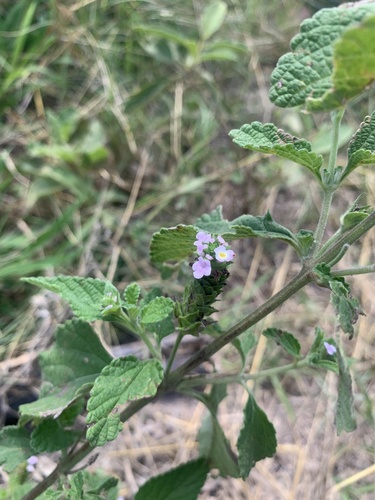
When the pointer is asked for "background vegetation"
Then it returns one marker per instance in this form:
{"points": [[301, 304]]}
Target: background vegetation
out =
{"points": [[114, 122]]}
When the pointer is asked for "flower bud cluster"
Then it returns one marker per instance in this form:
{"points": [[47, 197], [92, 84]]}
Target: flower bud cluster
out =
{"points": [[210, 249]]}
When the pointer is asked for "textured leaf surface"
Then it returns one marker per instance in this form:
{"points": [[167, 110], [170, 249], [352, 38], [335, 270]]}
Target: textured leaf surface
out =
{"points": [[173, 244], [125, 379], [257, 439], [48, 437], [86, 296], [345, 420], [68, 369], [131, 294], [267, 138], [354, 66], [182, 483], [156, 310], [304, 75], [177, 243], [15, 447], [362, 147], [244, 343], [284, 339]]}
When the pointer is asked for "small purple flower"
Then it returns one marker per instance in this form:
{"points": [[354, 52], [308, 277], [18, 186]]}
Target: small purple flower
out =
{"points": [[221, 240], [202, 241], [31, 462], [202, 267], [331, 349], [222, 254]]}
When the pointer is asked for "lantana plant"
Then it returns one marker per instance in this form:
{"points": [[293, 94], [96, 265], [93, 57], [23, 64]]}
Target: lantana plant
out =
{"points": [[331, 62]]}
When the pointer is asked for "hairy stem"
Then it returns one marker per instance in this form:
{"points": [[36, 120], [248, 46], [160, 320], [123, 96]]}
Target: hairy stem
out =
{"points": [[329, 184]]}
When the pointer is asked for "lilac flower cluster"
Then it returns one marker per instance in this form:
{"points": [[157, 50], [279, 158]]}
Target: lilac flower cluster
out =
{"points": [[206, 244]]}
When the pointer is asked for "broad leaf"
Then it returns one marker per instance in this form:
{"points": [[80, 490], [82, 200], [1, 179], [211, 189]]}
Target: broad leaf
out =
{"points": [[345, 420], [267, 138], [257, 439], [285, 340], [15, 447], [181, 483], [354, 68], [177, 243], [124, 379], [173, 244], [86, 296], [304, 75], [362, 147], [156, 310], [68, 369], [48, 436]]}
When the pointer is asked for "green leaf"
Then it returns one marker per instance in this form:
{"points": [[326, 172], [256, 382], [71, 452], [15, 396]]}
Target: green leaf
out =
{"points": [[124, 379], [284, 339], [213, 222], [173, 244], [346, 307], [250, 226], [257, 439], [15, 447], [214, 446], [131, 294], [353, 60], [244, 343], [267, 138], [304, 75], [354, 215], [68, 369], [345, 420], [362, 146], [182, 483], [86, 296], [156, 310], [212, 18], [48, 436]]}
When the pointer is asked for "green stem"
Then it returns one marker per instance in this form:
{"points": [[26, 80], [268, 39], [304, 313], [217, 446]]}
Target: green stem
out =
{"points": [[354, 270], [218, 378], [156, 354], [329, 183], [173, 353]]}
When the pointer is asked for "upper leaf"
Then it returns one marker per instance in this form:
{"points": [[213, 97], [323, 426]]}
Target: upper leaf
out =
{"points": [[304, 75], [177, 243], [257, 439], [68, 369], [362, 146], [86, 296], [124, 379], [268, 138], [354, 68]]}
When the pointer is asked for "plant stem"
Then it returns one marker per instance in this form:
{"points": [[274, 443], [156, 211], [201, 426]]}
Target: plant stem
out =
{"points": [[354, 270], [218, 378], [173, 353], [329, 184], [156, 354]]}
